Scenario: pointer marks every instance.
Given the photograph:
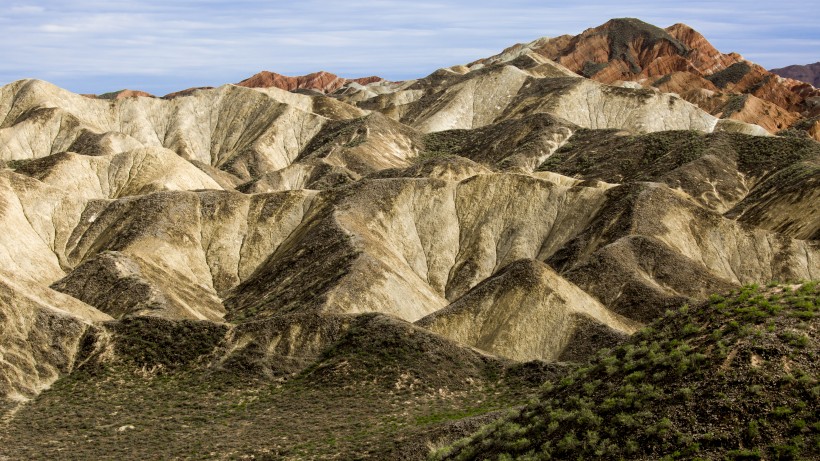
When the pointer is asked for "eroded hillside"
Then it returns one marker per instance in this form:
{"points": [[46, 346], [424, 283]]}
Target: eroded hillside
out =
{"points": [[401, 253]]}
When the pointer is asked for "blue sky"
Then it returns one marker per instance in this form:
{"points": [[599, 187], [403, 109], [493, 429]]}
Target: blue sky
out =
{"points": [[93, 46]]}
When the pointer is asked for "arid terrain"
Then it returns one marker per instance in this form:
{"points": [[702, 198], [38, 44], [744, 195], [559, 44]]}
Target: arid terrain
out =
{"points": [[605, 246]]}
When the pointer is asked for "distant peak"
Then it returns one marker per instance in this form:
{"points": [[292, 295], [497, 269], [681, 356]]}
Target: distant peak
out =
{"points": [[121, 94], [322, 81], [634, 22]]}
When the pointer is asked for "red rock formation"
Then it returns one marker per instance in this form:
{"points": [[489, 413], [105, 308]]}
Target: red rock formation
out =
{"points": [[803, 89], [750, 109], [629, 49], [186, 92], [367, 80], [683, 83], [702, 55], [322, 81], [678, 59]]}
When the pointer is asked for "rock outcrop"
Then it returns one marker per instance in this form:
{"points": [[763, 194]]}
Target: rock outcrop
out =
{"points": [[323, 82]]}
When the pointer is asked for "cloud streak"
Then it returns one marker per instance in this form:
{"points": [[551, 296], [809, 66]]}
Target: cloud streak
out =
{"points": [[162, 46]]}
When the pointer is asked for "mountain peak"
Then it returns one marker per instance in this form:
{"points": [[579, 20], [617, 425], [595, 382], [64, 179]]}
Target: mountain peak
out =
{"points": [[121, 94], [676, 59], [322, 81]]}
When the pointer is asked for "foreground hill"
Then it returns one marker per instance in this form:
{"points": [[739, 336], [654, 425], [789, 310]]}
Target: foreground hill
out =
{"points": [[733, 378], [308, 387]]}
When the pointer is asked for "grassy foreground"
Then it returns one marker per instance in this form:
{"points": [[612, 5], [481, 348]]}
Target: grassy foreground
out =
{"points": [[735, 378]]}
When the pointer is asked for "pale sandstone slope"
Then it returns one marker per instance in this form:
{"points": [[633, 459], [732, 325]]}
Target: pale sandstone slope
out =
{"points": [[184, 248], [769, 182], [47, 197], [42, 330], [243, 131], [653, 247], [342, 152], [525, 311], [465, 99], [410, 245], [135, 172]]}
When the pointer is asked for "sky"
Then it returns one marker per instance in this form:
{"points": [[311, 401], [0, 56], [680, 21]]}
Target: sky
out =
{"points": [[160, 46]]}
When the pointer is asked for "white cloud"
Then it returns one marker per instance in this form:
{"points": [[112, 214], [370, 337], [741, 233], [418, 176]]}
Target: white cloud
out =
{"points": [[26, 9]]}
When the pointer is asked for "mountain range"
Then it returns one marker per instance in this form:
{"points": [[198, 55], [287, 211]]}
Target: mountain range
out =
{"points": [[322, 268], [809, 73], [677, 59]]}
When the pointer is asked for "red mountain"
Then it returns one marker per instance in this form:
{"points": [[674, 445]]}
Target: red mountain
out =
{"points": [[679, 59], [322, 81]]}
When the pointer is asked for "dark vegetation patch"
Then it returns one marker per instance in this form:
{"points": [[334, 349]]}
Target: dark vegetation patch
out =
{"points": [[17, 164], [321, 254], [794, 133], [760, 84], [537, 90], [806, 123], [444, 143], [157, 342], [800, 128], [731, 74], [380, 388], [39, 167], [735, 104], [665, 79], [608, 155], [764, 154], [623, 32], [733, 378], [644, 94], [497, 145], [336, 134], [110, 95], [591, 68], [224, 416], [387, 351]]}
